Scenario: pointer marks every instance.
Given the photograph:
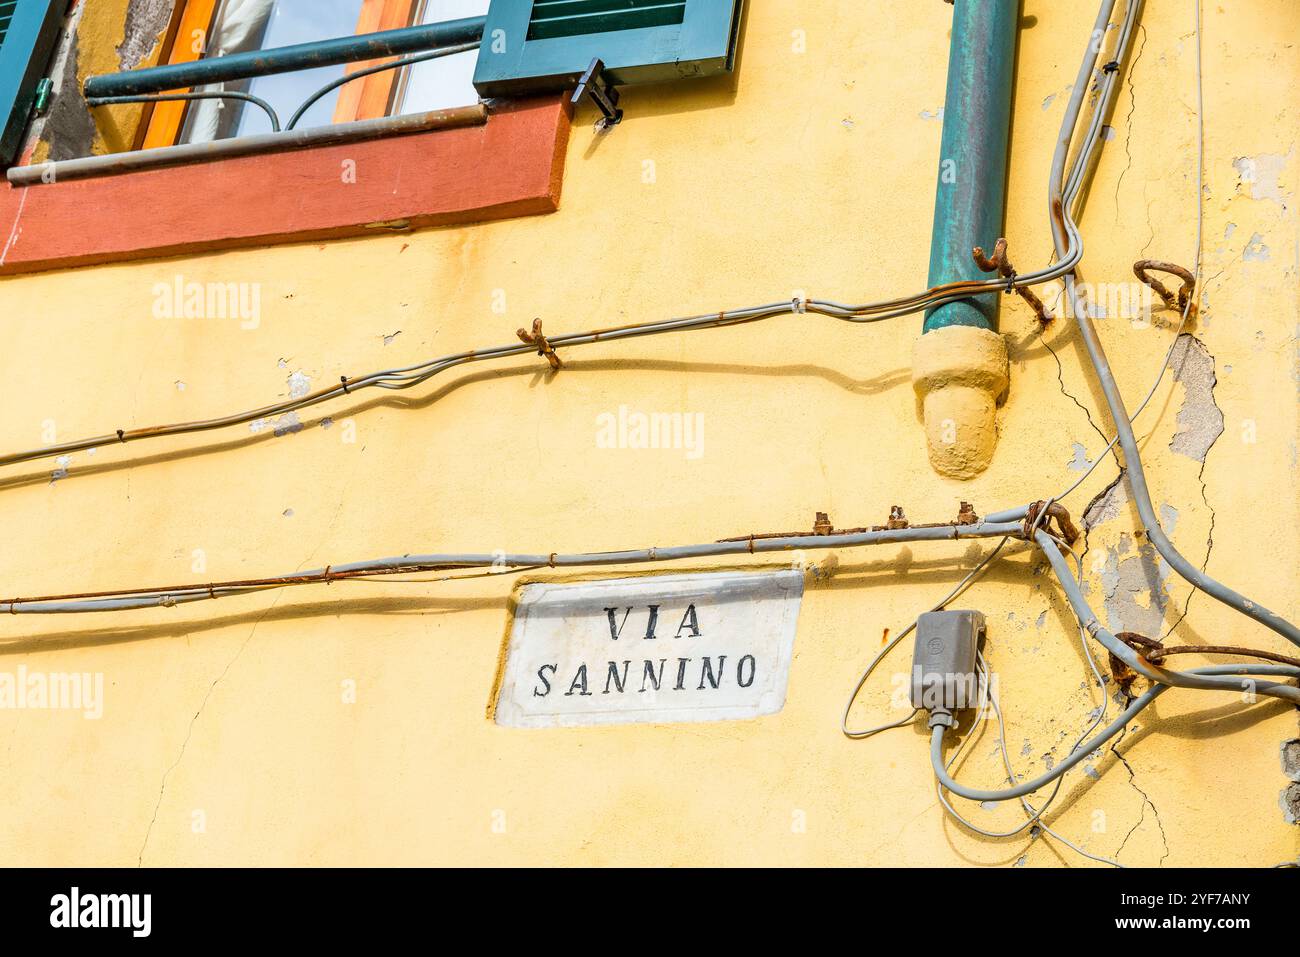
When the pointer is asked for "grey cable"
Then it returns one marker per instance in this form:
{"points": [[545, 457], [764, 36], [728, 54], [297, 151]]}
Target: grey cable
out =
{"points": [[1035, 815], [880, 656], [1180, 679], [401, 564], [1121, 722], [1135, 475]]}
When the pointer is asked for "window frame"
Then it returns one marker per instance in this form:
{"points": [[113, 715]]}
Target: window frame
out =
{"points": [[366, 99]]}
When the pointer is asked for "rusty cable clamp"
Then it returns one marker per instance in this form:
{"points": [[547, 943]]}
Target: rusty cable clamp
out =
{"points": [[1179, 302], [1002, 266], [544, 347], [822, 526], [1156, 651], [1057, 511]]}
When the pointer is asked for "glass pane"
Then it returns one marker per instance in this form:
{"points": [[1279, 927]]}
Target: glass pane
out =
{"points": [[261, 25], [446, 81]]}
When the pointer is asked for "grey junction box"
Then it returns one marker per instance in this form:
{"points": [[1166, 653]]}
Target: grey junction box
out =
{"points": [[943, 661]]}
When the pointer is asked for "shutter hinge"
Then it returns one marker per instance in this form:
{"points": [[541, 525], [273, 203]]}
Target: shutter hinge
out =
{"points": [[595, 84]]}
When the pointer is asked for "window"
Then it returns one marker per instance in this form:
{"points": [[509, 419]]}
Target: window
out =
{"points": [[213, 28]]}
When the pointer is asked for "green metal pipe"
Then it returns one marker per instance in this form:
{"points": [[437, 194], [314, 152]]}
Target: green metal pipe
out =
{"points": [[300, 56], [970, 198]]}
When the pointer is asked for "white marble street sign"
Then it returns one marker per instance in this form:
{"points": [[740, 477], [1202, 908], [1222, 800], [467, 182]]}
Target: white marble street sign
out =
{"points": [[657, 648]]}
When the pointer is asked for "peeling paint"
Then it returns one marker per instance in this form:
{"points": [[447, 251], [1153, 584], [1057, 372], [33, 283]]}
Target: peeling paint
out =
{"points": [[1128, 582], [1255, 250], [289, 422], [146, 22], [299, 385], [1262, 175], [1107, 505], [1200, 421], [1168, 518]]}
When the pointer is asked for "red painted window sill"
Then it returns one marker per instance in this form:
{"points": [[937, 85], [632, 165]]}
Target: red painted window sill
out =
{"points": [[510, 166]]}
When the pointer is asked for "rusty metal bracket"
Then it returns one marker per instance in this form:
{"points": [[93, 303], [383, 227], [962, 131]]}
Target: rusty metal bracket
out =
{"points": [[1057, 511], [822, 525], [544, 347], [896, 518], [596, 85], [1179, 302], [966, 514], [1002, 266]]}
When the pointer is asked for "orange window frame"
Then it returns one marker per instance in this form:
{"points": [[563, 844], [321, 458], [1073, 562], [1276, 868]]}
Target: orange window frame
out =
{"points": [[366, 99]]}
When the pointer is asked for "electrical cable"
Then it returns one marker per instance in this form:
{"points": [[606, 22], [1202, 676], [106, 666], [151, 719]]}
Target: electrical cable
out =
{"points": [[1135, 474], [1136, 707], [880, 656], [1181, 679], [1099, 715], [412, 375], [1034, 816], [120, 599]]}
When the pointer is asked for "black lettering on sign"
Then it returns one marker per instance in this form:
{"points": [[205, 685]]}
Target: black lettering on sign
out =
{"points": [[649, 674], [543, 694], [740, 671], [681, 673], [706, 672], [650, 627], [613, 676], [579, 681], [691, 620], [615, 632]]}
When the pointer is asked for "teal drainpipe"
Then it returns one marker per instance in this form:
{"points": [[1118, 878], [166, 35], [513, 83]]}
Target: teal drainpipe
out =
{"points": [[971, 194]]}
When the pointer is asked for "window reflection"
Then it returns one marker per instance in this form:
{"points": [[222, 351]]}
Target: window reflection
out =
{"points": [[446, 81], [242, 25]]}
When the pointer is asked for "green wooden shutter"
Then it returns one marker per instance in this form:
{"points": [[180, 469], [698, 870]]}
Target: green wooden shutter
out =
{"points": [[533, 46], [28, 31]]}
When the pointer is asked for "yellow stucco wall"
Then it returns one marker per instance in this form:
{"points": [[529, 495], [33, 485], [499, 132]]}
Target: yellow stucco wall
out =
{"points": [[811, 171]]}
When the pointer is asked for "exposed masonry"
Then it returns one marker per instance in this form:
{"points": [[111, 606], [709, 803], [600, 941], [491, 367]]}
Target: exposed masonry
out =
{"points": [[1291, 804], [1290, 798], [145, 22], [1291, 759], [68, 129]]}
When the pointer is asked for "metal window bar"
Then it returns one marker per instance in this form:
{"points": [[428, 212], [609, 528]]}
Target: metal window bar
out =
{"points": [[299, 56]]}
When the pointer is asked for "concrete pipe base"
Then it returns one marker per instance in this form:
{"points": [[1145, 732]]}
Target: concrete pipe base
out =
{"points": [[961, 375]]}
